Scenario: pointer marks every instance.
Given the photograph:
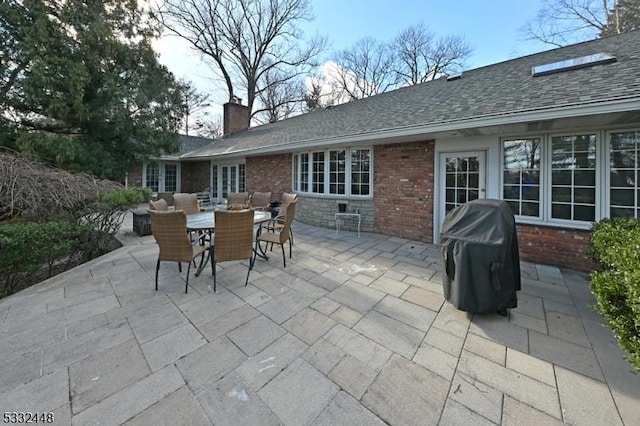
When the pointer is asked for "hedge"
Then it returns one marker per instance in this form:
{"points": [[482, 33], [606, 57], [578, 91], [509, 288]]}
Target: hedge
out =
{"points": [[615, 246]]}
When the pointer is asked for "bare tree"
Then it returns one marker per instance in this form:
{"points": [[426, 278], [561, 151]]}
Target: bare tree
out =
{"points": [[195, 104], [421, 57], [245, 39], [281, 97], [323, 89], [562, 22], [624, 17], [212, 127], [365, 69]]}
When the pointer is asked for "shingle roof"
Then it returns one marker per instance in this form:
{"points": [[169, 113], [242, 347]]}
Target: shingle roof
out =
{"points": [[503, 89], [187, 145]]}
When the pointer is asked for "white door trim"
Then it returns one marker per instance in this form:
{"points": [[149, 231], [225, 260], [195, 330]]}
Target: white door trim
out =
{"points": [[440, 183]]}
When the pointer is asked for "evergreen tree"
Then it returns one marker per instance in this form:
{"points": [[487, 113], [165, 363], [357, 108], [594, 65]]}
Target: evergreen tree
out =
{"points": [[81, 86]]}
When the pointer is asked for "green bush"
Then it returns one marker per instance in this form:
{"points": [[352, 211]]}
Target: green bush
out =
{"points": [[106, 215], [615, 246], [36, 248]]}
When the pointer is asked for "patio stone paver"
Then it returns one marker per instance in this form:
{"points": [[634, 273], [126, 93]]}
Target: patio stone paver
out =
{"points": [[199, 373], [406, 312], [477, 397], [309, 325], [537, 394], [323, 356], [299, 394], [178, 408], [133, 399], [344, 409], [172, 346], [515, 413], [352, 376], [256, 335], [260, 369], [232, 402], [390, 333], [586, 401], [98, 376], [46, 393], [358, 297], [565, 354], [406, 394], [352, 331]]}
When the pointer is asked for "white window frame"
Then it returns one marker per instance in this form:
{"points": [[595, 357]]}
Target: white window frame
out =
{"points": [[219, 190], [598, 188], [297, 179], [542, 183], [606, 208], [161, 174], [601, 172]]}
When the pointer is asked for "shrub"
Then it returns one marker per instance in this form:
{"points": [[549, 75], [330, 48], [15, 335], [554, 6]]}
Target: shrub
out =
{"points": [[615, 246], [36, 248], [106, 215]]}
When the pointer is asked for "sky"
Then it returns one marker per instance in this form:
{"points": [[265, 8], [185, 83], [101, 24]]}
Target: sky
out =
{"points": [[491, 27]]}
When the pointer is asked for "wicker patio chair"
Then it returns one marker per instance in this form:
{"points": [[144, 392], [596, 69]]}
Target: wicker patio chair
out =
{"points": [[170, 232], [160, 205], [278, 236], [277, 223], [238, 200], [188, 203], [233, 239], [260, 200]]}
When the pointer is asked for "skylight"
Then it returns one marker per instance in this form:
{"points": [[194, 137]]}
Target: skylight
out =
{"points": [[572, 64]]}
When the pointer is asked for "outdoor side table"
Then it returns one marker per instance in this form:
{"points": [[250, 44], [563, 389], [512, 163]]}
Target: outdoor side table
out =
{"points": [[345, 216], [141, 222]]}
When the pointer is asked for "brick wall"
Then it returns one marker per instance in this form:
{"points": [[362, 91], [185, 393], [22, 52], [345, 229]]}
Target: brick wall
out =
{"points": [[269, 173], [195, 176], [134, 176], [565, 248], [403, 190], [235, 117]]}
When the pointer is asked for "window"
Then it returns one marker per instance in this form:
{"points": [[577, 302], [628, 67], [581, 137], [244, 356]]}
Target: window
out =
{"points": [[360, 171], [337, 172], [215, 192], [521, 176], [170, 178], [161, 176], [152, 177], [624, 163], [573, 177], [241, 178], [325, 172], [572, 64], [304, 173], [317, 182]]}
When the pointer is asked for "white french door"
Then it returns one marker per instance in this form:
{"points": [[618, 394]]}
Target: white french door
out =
{"points": [[161, 176], [462, 179], [226, 178]]}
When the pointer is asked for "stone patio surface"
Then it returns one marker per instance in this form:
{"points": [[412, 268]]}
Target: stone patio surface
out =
{"points": [[354, 331]]}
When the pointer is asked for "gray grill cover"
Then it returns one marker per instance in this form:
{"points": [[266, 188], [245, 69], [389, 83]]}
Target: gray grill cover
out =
{"points": [[480, 261]]}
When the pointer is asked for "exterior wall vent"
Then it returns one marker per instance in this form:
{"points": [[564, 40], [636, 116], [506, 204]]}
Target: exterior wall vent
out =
{"points": [[572, 64]]}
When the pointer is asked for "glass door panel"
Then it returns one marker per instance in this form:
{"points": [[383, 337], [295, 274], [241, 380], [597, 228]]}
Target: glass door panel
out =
{"points": [[462, 179]]}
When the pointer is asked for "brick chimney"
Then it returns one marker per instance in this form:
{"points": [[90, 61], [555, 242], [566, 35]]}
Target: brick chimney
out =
{"points": [[235, 116]]}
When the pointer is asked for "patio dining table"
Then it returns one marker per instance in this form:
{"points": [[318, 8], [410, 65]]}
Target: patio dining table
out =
{"points": [[206, 222]]}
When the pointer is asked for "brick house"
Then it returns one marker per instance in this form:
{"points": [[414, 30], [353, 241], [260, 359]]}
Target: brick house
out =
{"points": [[556, 134]]}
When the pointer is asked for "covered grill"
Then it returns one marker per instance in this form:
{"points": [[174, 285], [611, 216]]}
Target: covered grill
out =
{"points": [[480, 261]]}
